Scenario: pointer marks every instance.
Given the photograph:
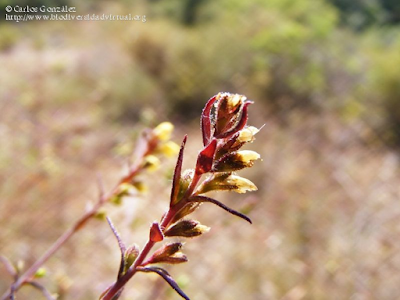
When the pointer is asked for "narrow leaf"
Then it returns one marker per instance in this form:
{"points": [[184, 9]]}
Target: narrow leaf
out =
{"points": [[206, 120], [223, 206], [121, 244], [122, 248], [240, 124], [177, 173], [165, 275]]}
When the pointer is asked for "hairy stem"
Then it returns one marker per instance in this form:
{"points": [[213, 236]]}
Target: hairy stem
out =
{"points": [[120, 283]]}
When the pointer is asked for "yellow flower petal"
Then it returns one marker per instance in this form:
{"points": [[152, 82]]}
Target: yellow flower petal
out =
{"points": [[41, 272], [151, 163], [163, 131], [169, 149], [247, 156], [232, 100], [242, 185], [141, 187], [227, 182], [247, 134], [236, 161]]}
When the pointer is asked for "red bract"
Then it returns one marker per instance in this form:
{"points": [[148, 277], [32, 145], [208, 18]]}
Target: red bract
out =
{"points": [[206, 158]]}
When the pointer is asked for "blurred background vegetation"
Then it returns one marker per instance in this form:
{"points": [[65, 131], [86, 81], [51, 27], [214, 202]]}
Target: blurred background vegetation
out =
{"points": [[324, 75]]}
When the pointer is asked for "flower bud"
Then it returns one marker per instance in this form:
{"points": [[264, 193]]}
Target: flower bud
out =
{"points": [[227, 182], [41, 272], [124, 189], [187, 228], [228, 111], [247, 134], [183, 185], [235, 101], [116, 200], [20, 266], [100, 214], [140, 186], [186, 210], [168, 254], [229, 103], [163, 131], [151, 163], [130, 256], [236, 161], [169, 149]]}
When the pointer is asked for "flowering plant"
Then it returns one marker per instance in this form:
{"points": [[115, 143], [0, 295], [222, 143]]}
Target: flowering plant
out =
{"points": [[225, 131]]}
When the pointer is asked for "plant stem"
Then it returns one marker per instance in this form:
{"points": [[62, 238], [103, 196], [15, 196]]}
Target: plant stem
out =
{"points": [[172, 211]]}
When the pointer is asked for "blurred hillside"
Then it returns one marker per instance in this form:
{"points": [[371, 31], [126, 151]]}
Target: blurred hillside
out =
{"points": [[324, 76]]}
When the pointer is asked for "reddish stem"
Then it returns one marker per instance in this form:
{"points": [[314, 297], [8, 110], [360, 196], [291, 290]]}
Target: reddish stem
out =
{"points": [[169, 216]]}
